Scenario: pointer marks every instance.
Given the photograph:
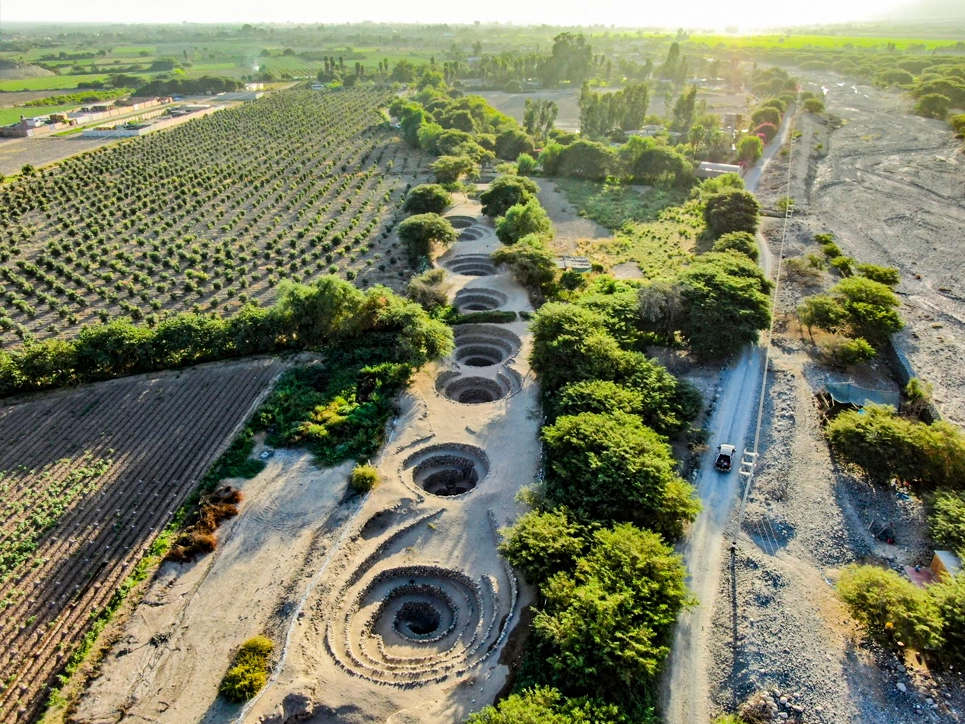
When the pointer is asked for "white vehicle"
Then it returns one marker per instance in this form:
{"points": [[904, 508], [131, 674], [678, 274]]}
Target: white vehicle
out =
{"points": [[725, 457]]}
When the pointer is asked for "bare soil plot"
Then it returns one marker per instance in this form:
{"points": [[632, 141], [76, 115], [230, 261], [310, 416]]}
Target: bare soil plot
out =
{"points": [[16, 152], [571, 228], [92, 475]]}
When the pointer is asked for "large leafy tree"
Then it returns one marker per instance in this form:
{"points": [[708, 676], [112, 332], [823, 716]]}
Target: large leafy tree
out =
{"points": [[448, 169], [422, 233], [505, 192], [607, 625], [533, 265], [726, 303], [522, 220], [426, 199], [732, 210], [539, 116], [612, 468], [541, 544], [543, 705]]}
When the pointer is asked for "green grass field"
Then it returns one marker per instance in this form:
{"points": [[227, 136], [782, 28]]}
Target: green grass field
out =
{"points": [[50, 82], [12, 115]]}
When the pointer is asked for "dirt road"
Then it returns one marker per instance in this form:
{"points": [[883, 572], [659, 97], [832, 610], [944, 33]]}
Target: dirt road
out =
{"points": [[685, 691]]}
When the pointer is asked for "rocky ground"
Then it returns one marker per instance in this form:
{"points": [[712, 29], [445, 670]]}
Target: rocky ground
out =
{"points": [[782, 640]]}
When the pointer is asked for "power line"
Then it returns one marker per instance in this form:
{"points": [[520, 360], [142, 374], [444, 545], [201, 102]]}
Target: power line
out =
{"points": [[749, 459]]}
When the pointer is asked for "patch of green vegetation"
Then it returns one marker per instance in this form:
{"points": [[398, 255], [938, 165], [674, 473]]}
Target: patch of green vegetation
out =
{"points": [[9, 116], [614, 205], [659, 248], [338, 409], [494, 317], [249, 672], [235, 462]]}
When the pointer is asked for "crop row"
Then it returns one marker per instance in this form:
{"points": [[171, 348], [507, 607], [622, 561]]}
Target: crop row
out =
{"points": [[159, 435], [209, 214]]}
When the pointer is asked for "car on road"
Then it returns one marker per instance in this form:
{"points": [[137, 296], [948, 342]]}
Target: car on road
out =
{"points": [[725, 457]]}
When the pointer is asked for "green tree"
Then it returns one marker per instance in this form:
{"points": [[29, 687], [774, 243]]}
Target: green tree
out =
{"points": [[532, 264], [321, 312], [512, 142], [608, 624], [525, 165], [542, 544], [684, 109], [726, 302], [539, 115], [506, 192], [599, 396], [750, 149], [651, 163], [612, 468], [522, 220], [947, 520], [857, 307], [766, 115], [585, 159], [732, 210], [949, 596], [814, 105], [542, 705], [740, 242], [448, 169], [891, 608], [427, 199], [422, 233]]}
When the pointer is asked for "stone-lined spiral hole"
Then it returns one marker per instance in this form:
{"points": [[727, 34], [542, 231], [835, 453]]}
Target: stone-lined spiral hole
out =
{"points": [[461, 222], [479, 300], [483, 345], [471, 265], [447, 470], [417, 619], [471, 234]]}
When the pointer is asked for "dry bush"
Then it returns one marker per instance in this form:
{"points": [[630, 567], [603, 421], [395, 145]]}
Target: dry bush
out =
{"points": [[756, 710], [199, 538]]}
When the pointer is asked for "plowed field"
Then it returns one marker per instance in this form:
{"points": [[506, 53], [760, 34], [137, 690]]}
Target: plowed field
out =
{"points": [[90, 477]]}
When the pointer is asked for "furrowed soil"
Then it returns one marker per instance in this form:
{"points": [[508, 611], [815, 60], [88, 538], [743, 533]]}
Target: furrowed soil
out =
{"points": [[779, 629], [92, 476]]}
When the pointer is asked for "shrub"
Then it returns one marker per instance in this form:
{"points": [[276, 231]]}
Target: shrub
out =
{"points": [[933, 105], [422, 233], [947, 519], [611, 468], [525, 165], [249, 671], [364, 478], [767, 114], [731, 210], [750, 149], [428, 290], [601, 396], [522, 220], [848, 352], [533, 265], [949, 596], [856, 307], [814, 105], [767, 131], [740, 242], [542, 544], [883, 274], [512, 142], [958, 124], [830, 249], [887, 446], [448, 169], [607, 625], [426, 199], [844, 265], [891, 608], [506, 192]]}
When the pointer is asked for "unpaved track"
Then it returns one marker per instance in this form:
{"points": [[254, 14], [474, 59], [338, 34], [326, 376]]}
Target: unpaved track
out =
{"points": [[685, 691]]}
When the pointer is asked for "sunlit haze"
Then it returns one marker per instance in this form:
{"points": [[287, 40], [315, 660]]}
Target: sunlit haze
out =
{"points": [[709, 14]]}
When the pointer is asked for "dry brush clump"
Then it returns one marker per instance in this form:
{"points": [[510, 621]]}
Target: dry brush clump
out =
{"points": [[199, 537]]}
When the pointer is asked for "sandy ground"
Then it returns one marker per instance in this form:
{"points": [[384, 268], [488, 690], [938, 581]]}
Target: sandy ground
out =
{"points": [[15, 152], [335, 579], [167, 665]]}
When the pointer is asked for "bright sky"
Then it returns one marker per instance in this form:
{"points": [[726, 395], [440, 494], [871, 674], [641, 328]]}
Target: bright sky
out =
{"points": [[691, 14]]}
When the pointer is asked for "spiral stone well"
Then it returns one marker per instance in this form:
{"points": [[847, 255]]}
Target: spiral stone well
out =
{"points": [[479, 299], [471, 265]]}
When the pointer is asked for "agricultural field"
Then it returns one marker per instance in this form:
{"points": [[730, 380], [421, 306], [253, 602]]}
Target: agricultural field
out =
{"points": [[823, 42], [84, 501], [206, 216]]}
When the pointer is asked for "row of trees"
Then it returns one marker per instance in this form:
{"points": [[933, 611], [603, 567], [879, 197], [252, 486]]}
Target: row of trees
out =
{"points": [[329, 311]]}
